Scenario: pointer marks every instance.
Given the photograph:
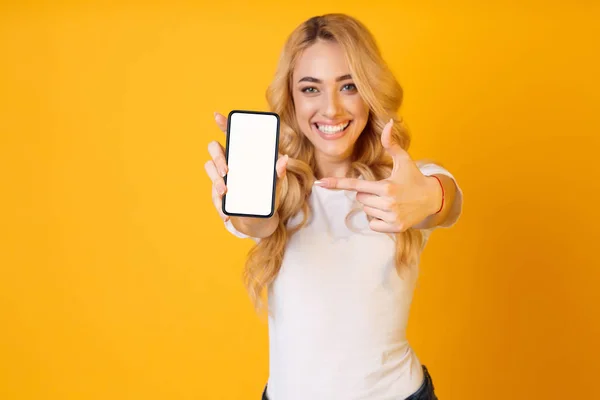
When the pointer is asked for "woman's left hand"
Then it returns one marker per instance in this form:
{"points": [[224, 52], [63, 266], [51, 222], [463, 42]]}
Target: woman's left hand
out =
{"points": [[399, 202]]}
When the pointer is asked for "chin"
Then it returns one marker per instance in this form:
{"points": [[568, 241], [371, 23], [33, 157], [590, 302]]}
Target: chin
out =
{"points": [[335, 151]]}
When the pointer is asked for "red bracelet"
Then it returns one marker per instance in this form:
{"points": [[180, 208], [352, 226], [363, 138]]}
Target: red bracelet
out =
{"points": [[443, 193]]}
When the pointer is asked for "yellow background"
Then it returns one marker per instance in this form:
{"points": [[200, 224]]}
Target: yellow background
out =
{"points": [[118, 280]]}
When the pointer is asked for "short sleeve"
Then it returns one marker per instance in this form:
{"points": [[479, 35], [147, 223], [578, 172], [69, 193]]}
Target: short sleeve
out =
{"points": [[456, 210], [229, 226]]}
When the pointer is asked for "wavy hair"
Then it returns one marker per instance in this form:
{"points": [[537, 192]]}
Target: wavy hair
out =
{"points": [[377, 85]]}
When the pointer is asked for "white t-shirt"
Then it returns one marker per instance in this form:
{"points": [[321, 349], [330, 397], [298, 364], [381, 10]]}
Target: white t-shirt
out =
{"points": [[339, 308]]}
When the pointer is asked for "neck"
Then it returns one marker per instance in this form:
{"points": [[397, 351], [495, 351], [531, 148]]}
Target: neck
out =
{"points": [[332, 167]]}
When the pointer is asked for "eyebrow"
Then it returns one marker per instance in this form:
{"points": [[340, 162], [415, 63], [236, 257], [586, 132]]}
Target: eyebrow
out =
{"points": [[315, 80]]}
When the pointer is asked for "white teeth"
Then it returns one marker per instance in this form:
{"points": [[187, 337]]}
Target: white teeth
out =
{"points": [[333, 128]]}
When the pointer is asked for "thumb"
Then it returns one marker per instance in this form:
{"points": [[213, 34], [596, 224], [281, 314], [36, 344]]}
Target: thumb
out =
{"points": [[281, 166], [390, 146]]}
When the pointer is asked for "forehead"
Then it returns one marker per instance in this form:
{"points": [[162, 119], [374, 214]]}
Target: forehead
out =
{"points": [[323, 60]]}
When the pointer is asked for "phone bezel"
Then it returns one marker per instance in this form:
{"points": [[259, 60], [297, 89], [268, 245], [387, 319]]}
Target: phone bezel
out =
{"points": [[274, 163]]}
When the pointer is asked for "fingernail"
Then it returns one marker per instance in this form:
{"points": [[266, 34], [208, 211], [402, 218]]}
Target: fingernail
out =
{"points": [[223, 172], [321, 183], [220, 190], [215, 114]]}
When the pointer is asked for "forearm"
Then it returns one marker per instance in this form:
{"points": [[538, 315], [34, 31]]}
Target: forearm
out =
{"points": [[449, 185], [256, 227]]}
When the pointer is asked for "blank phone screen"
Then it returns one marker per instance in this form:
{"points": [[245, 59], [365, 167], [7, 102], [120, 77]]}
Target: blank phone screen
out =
{"points": [[252, 140]]}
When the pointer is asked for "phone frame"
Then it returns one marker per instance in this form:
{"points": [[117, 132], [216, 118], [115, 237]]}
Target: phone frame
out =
{"points": [[274, 164]]}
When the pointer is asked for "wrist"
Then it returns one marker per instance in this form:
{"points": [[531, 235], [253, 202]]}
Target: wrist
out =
{"points": [[437, 195], [256, 227]]}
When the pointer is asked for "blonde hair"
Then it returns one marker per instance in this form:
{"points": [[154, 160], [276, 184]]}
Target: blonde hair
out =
{"points": [[378, 87]]}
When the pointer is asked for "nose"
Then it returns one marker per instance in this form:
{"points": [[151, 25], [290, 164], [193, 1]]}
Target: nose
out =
{"points": [[333, 107]]}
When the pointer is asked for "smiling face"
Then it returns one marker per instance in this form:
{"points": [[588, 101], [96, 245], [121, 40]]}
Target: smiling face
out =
{"points": [[329, 109]]}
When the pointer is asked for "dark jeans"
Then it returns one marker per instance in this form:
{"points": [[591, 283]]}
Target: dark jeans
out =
{"points": [[425, 392]]}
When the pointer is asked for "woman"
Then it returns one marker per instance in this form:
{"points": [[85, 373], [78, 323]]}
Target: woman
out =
{"points": [[340, 257]]}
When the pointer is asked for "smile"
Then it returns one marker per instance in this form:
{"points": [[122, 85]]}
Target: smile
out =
{"points": [[332, 131]]}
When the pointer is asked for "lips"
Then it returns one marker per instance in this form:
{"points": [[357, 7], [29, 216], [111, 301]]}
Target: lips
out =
{"points": [[331, 132]]}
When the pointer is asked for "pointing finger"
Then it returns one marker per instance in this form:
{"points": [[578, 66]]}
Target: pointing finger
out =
{"points": [[358, 185]]}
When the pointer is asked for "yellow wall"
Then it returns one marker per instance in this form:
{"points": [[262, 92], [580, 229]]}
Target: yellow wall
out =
{"points": [[118, 280]]}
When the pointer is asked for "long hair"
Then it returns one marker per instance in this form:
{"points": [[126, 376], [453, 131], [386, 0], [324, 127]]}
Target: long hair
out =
{"points": [[383, 94]]}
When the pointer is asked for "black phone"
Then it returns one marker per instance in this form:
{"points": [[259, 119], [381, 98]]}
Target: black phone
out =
{"points": [[251, 153]]}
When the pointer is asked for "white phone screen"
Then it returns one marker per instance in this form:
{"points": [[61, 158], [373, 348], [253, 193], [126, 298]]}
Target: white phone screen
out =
{"points": [[252, 141]]}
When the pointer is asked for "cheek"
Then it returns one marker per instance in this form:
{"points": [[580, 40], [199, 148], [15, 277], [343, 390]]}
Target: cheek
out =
{"points": [[305, 109], [358, 107], [359, 110]]}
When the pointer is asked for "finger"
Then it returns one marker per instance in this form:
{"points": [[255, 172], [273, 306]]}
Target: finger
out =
{"points": [[281, 166], [381, 226], [390, 146], [218, 155], [221, 121], [371, 200], [386, 135], [218, 202], [379, 188], [218, 182], [385, 216]]}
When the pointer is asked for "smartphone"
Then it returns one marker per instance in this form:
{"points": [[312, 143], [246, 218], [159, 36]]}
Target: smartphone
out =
{"points": [[251, 153]]}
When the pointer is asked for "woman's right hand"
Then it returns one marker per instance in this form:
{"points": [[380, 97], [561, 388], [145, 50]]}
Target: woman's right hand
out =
{"points": [[216, 168]]}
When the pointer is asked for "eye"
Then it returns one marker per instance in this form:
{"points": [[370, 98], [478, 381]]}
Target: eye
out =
{"points": [[349, 86], [309, 89]]}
